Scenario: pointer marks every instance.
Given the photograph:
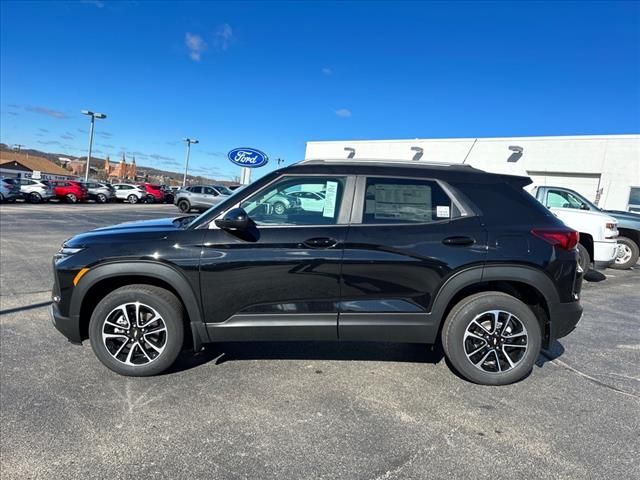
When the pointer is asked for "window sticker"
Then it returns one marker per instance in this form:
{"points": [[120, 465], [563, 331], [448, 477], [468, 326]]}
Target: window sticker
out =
{"points": [[403, 202], [330, 198], [442, 211]]}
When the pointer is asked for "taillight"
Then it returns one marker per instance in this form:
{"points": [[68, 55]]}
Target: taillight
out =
{"points": [[565, 239]]}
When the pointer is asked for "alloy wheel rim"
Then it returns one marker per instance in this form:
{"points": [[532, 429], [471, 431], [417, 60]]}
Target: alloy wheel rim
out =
{"points": [[134, 334], [495, 341], [624, 254]]}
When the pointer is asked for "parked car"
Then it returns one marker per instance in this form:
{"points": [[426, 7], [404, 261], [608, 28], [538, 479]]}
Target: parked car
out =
{"points": [[168, 193], [155, 194], [127, 192], [401, 252], [628, 240], [310, 201], [69, 190], [199, 197], [100, 192], [34, 191], [598, 231], [9, 191]]}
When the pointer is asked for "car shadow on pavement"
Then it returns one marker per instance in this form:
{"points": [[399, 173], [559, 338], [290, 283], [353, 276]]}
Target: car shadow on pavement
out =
{"points": [[555, 350], [358, 351]]}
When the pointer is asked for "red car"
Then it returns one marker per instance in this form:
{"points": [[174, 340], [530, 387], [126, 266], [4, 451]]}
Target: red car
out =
{"points": [[154, 193], [69, 190]]}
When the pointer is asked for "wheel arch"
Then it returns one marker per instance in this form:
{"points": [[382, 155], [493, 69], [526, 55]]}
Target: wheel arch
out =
{"points": [[531, 286], [103, 279], [630, 233], [586, 240]]}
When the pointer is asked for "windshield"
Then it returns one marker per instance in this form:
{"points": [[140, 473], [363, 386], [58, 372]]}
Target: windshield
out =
{"points": [[223, 190]]}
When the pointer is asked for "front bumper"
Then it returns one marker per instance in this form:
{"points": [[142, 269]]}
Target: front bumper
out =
{"points": [[604, 253], [69, 327]]}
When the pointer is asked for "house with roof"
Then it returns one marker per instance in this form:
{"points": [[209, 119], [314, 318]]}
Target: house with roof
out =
{"points": [[19, 164]]}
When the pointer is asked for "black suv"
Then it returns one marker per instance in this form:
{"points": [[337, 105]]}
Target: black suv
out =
{"points": [[395, 252]]}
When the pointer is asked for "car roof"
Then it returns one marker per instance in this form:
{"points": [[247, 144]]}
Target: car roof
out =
{"points": [[399, 168]]}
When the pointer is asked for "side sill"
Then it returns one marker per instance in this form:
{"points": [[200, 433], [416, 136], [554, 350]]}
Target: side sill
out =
{"points": [[388, 327]]}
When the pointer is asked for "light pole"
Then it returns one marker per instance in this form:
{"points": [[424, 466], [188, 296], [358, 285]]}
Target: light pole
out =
{"points": [[93, 116], [188, 141]]}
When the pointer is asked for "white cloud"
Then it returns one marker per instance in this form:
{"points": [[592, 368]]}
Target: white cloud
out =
{"points": [[343, 113], [196, 45], [327, 71], [47, 111], [224, 36]]}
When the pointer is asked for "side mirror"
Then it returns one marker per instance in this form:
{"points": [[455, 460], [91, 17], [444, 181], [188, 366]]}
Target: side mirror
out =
{"points": [[584, 206], [234, 219]]}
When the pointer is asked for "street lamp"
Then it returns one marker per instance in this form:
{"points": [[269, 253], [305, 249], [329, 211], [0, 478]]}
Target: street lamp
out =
{"points": [[188, 141], [93, 116]]}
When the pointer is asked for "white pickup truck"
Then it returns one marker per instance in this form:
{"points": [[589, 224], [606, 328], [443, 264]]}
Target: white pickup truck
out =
{"points": [[598, 231]]}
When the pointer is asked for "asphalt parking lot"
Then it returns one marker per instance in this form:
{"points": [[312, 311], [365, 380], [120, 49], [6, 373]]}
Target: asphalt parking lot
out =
{"points": [[302, 410]]}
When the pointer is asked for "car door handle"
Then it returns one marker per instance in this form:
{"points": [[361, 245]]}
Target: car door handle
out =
{"points": [[322, 242], [459, 241]]}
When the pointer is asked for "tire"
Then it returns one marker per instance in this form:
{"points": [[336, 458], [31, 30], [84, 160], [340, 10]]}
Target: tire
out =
{"points": [[628, 254], [125, 354], [584, 259], [279, 208], [35, 197], [459, 348], [102, 198], [2, 200], [184, 206], [150, 199], [132, 199], [71, 198]]}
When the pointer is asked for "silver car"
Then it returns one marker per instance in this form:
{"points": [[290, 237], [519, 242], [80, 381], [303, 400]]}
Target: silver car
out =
{"points": [[100, 192], [9, 192], [200, 197], [34, 191]]}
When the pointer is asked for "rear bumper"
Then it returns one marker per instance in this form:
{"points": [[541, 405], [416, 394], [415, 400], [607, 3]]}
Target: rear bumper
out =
{"points": [[564, 318], [69, 327]]}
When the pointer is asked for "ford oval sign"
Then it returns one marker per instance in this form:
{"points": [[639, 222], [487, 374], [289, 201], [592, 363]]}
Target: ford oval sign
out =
{"points": [[248, 157]]}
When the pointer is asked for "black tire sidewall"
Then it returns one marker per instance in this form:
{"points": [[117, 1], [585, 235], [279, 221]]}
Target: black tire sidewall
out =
{"points": [[71, 198], [186, 205], [635, 253], [460, 317], [278, 205], [132, 199], [168, 310], [584, 259], [102, 198], [35, 197]]}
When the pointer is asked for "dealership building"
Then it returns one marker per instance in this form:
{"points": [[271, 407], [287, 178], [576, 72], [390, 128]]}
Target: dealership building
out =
{"points": [[603, 168]]}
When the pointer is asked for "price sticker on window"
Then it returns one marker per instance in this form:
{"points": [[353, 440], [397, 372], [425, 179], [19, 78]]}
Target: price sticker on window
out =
{"points": [[442, 211], [330, 199]]}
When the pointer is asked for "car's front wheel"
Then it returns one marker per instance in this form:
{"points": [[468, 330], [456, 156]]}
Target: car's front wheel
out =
{"points": [[492, 338], [132, 199], [184, 206], [137, 330], [72, 198], [627, 254]]}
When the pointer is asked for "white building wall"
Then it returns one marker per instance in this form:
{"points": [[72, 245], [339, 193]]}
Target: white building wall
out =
{"points": [[601, 167]]}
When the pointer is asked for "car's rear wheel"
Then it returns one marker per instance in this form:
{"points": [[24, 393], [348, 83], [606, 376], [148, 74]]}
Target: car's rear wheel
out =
{"points": [[137, 330], [71, 198], [102, 198], [627, 255], [279, 208], [584, 259], [132, 199], [35, 197], [184, 206], [491, 338]]}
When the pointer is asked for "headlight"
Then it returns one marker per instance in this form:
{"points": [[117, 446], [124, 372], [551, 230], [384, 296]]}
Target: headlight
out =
{"points": [[65, 251]]}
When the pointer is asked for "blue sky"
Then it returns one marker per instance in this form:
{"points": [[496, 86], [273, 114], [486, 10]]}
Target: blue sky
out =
{"points": [[275, 75]]}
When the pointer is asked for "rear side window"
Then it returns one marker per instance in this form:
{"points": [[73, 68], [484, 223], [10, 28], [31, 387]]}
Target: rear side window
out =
{"points": [[195, 189], [396, 200]]}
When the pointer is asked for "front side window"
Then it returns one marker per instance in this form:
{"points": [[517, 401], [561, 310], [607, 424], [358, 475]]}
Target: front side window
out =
{"points": [[562, 199], [395, 200], [281, 204], [210, 191]]}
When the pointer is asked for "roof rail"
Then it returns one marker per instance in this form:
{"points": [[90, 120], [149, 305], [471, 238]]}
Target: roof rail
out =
{"points": [[383, 161]]}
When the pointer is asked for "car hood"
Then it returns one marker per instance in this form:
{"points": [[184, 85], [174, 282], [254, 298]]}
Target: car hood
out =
{"points": [[626, 217], [160, 225], [585, 213]]}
